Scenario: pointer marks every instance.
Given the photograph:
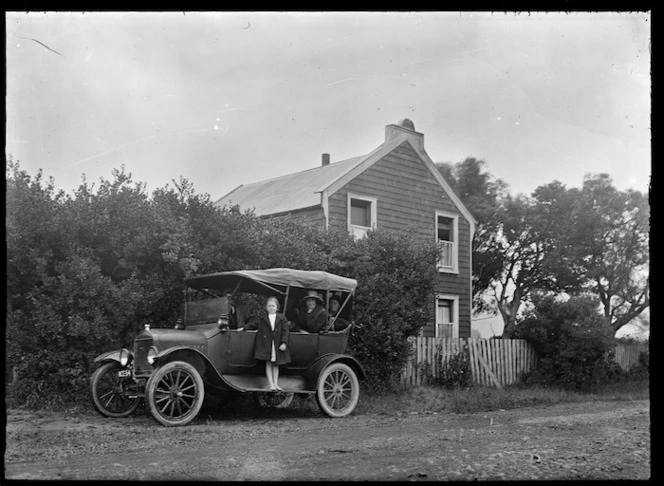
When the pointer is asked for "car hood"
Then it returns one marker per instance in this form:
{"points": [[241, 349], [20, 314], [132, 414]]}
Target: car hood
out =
{"points": [[191, 336]]}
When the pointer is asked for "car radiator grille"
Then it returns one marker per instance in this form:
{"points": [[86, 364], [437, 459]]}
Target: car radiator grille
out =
{"points": [[141, 365]]}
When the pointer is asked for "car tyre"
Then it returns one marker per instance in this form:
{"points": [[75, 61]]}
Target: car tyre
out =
{"points": [[338, 390], [175, 393], [109, 395]]}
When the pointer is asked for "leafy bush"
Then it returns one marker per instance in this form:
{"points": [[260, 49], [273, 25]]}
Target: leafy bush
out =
{"points": [[573, 342], [86, 271], [456, 372], [396, 281]]}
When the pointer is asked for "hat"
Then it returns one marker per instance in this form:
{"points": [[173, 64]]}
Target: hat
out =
{"points": [[312, 294]]}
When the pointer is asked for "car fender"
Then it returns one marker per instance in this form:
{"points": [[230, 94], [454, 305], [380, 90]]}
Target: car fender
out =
{"points": [[108, 356], [186, 349], [210, 373], [327, 359], [174, 349]]}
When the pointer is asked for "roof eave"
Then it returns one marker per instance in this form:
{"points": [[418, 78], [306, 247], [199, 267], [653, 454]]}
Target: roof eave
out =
{"points": [[227, 194], [378, 153], [289, 211], [446, 187]]}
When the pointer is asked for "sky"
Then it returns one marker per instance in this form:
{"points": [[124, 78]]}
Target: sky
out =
{"points": [[229, 98]]}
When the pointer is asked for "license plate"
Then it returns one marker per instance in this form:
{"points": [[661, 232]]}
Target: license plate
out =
{"points": [[124, 373]]}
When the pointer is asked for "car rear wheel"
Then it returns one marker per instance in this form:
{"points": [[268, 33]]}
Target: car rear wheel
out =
{"points": [[111, 393], [274, 400], [175, 393], [338, 390]]}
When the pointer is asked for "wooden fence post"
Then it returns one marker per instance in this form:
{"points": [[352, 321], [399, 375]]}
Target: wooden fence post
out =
{"points": [[487, 368], [496, 362]]}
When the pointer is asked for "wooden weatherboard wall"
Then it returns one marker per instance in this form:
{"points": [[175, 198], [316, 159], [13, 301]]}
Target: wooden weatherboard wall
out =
{"points": [[408, 197]]}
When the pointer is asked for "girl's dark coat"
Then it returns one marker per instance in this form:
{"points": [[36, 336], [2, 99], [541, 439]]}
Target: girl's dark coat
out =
{"points": [[265, 336]]}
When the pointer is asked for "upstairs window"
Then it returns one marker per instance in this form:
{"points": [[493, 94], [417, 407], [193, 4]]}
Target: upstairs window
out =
{"points": [[447, 238], [361, 215]]}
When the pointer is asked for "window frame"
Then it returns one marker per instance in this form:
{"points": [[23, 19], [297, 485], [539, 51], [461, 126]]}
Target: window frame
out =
{"points": [[454, 268], [357, 230], [455, 315]]}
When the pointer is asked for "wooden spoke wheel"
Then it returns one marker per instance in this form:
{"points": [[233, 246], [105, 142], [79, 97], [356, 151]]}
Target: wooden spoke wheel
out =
{"points": [[175, 393], [338, 390], [113, 395]]}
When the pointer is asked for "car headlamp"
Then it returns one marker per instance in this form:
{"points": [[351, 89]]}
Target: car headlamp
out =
{"points": [[125, 356], [152, 355]]}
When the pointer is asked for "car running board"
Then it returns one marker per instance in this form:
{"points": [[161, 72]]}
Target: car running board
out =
{"points": [[258, 383]]}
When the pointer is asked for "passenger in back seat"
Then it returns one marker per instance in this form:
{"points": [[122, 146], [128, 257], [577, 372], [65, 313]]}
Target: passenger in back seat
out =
{"points": [[337, 323], [314, 317]]}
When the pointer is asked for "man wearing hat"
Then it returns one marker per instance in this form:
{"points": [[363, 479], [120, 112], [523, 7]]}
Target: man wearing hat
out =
{"points": [[314, 317]]}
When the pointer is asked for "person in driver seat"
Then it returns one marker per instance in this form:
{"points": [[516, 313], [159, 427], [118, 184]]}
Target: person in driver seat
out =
{"points": [[314, 317], [237, 312]]}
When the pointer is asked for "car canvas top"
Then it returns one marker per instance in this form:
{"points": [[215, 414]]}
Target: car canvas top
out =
{"points": [[272, 280]]}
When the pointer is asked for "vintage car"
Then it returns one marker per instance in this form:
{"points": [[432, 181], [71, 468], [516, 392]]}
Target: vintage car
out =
{"points": [[208, 354]]}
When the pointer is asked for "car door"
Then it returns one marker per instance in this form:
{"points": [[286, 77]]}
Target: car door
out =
{"points": [[303, 349], [241, 348]]}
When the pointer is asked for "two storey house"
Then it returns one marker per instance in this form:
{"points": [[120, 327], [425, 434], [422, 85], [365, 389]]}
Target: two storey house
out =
{"points": [[394, 187]]}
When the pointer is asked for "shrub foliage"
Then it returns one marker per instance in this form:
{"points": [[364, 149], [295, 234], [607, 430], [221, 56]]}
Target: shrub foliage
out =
{"points": [[86, 271], [455, 372], [396, 275], [573, 343]]}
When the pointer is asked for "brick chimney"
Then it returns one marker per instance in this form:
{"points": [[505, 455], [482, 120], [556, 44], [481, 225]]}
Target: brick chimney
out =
{"points": [[326, 159], [405, 127]]}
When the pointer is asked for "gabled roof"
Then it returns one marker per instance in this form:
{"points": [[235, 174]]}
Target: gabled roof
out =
{"points": [[311, 187], [289, 192]]}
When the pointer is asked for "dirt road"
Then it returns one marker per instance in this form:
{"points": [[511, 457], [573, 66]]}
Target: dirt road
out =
{"points": [[589, 440]]}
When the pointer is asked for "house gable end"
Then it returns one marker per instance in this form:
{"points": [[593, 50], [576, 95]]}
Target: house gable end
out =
{"points": [[385, 149]]}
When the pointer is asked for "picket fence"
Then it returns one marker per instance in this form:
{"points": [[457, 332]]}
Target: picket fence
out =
{"points": [[493, 362], [628, 354]]}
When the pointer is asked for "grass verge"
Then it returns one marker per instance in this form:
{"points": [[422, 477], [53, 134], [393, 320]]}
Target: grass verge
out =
{"points": [[478, 399], [421, 399]]}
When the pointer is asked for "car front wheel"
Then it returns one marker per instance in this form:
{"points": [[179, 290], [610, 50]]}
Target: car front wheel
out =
{"points": [[175, 393], [112, 393], [338, 390]]}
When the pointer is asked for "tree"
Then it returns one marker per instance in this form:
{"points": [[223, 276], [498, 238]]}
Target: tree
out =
{"points": [[557, 240], [64, 302], [483, 196], [35, 239], [529, 253], [611, 241], [532, 251]]}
